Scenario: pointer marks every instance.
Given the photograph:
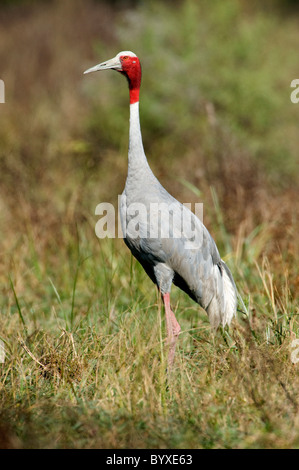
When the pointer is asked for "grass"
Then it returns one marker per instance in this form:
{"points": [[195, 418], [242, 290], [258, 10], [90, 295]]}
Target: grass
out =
{"points": [[82, 325]]}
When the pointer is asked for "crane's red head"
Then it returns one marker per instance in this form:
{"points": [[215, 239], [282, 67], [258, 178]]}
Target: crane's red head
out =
{"points": [[131, 68], [127, 63]]}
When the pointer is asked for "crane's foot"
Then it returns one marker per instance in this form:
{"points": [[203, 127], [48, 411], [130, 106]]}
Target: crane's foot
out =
{"points": [[173, 330]]}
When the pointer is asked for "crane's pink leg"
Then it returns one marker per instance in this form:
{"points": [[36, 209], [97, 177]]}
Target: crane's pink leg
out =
{"points": [[172, 327]]}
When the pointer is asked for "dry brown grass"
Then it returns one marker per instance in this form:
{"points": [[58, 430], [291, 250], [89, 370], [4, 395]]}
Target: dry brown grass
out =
{"points": [[85, 359]]}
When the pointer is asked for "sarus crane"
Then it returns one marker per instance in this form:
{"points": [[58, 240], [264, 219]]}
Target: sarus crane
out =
{"points": [[169, 241]]}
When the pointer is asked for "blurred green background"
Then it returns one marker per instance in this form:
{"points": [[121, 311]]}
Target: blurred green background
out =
{"points": [[215, 109], [218, 127]]}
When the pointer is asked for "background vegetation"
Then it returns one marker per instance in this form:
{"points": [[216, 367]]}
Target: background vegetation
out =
{"points": [[81, 323]]}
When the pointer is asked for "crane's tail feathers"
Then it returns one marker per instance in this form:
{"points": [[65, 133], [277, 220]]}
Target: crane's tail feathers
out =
{"points": [[230, 296], [223, 306]]}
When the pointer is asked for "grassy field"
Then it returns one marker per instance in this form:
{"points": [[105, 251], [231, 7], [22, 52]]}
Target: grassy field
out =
{"points": [[82, 326]]}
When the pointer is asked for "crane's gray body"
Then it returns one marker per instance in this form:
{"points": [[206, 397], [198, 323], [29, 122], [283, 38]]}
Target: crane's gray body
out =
{"points": [[169, 249]]}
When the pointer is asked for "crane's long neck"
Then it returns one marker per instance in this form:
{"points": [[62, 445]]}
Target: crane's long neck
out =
{"points": [[137, 159]]}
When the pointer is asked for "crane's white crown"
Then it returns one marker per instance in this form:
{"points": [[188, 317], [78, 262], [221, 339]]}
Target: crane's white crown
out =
{"points": [[129, 53]]}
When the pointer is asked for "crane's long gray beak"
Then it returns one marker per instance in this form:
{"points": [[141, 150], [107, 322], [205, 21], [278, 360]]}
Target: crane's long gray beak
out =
{"points": [[109, 64]]}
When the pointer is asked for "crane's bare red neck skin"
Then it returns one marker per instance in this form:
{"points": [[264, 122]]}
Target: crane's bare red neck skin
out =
{"points": [[131, 68]]}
